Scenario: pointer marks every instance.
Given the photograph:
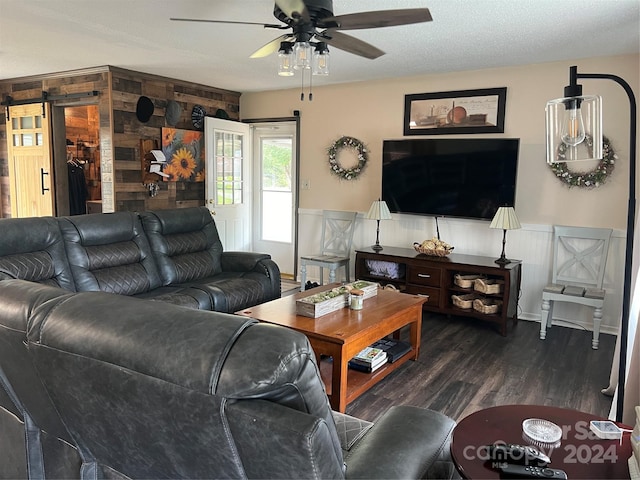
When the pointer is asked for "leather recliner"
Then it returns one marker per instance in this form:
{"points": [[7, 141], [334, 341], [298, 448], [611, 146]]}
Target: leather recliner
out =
{"points": [[188, 252], [145, 390]]}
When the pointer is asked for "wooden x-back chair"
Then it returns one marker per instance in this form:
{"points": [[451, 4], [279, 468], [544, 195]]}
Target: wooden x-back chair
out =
{"points": [[579, 260], [336, 240]]}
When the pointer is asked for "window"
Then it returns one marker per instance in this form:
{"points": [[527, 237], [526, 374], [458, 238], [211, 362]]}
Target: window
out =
{"points": [[229, 160]]}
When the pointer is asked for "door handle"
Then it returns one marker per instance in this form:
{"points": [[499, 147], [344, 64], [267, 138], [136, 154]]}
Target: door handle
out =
{"points": [[42, 174]]}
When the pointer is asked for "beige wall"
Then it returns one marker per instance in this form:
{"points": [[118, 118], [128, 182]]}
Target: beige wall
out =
{"points": [[373, 111]]}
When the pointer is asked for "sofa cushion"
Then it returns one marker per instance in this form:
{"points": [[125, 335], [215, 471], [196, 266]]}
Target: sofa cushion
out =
{"points": [[230, 293], [185, 243], [392, 443], [184, 297], [110, 253], [32, 249]]}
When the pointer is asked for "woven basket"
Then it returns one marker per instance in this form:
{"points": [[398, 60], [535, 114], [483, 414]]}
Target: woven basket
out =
{"points": [[465, 281], [464, 301], [488, 286], [487, 305], [432, 252]]}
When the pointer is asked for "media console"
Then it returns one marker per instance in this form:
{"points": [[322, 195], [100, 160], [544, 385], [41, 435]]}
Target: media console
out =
{"points": [[415, 273]]}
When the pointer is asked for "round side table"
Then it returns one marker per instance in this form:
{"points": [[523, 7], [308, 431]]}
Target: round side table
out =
{"points": [[580, 453]]}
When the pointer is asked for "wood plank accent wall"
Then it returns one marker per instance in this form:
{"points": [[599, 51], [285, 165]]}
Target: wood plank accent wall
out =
{"points": [[119, 129], [127, 87]]}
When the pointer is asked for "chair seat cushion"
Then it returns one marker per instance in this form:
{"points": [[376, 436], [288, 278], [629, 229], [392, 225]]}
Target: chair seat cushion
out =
{"points": [[573, 291], [553, 288], [594, 293]]}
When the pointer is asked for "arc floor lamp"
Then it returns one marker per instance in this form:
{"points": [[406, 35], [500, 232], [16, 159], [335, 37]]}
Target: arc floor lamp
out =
{"points": [[565, 124]]}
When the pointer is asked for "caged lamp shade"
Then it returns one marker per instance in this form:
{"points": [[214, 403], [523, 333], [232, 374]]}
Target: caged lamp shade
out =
{"points": [[506, 219], [378, 211], [574, 125]]}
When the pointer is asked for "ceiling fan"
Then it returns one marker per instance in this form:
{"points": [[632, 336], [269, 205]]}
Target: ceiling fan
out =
{"points": [[314, 20]]}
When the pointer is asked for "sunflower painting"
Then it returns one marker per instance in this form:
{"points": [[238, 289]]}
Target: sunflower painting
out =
{"points": [[184, 150]]}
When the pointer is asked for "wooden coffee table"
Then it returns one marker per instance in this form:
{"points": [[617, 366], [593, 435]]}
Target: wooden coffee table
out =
{"points": [[580, 453], [339, 336]]}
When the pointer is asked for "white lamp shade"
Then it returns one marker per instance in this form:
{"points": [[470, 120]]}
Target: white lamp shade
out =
{"points": [[505, 219], [574, 129], [379, 211]]}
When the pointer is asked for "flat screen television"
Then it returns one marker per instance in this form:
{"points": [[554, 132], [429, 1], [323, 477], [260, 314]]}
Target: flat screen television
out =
{"points": [[465, 178]]}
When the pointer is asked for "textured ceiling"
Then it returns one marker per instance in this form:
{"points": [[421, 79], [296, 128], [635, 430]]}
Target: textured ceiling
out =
{"points": [[46, 36]]}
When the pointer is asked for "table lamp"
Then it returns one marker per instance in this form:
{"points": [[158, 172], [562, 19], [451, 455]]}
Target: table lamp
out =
{"points": [[378, 211], [505, 218]]}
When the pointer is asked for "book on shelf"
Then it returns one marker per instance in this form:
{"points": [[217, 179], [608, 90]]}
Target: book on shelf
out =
{"points": [[370, 355], [367, 367], [394, 348]]}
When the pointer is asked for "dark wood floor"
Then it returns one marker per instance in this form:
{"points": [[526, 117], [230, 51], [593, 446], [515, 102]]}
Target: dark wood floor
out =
{"points": [[466, 365]]}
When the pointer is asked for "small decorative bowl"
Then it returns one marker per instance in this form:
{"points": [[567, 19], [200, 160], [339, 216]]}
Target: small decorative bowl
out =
{"points": [[542, 430]]}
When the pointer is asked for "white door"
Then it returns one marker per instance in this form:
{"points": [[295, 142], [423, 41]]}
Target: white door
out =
{"points": [[228, 181], [274, 173]]}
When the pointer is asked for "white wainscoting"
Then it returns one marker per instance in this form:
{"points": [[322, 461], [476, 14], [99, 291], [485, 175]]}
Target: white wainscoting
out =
{"points": [[533, 244]]}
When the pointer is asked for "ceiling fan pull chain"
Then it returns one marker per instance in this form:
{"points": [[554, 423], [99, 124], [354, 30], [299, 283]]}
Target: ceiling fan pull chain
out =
{"points": [[302, 86], [310, 82]]}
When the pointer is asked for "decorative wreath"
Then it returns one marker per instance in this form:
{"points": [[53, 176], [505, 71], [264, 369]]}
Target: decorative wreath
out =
{"points": [[347, 142], [591, 179]]}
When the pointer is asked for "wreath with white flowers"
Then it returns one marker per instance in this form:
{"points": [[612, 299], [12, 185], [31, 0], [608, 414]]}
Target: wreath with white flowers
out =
{"points": [[591, 179], [353, 172]]}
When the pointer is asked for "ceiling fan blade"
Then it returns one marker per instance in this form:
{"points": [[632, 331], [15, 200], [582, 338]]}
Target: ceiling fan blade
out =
{"points": [[272, 47], [377, 19], [294, 9], [350, 44], [202, 20]]}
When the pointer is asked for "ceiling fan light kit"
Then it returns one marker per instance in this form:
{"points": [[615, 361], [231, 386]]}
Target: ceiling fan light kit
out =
{"points": [[315, 27]]}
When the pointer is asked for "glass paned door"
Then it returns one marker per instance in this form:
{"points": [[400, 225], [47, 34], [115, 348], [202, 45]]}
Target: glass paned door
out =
{"points": [[275, 164], [228, 180]]}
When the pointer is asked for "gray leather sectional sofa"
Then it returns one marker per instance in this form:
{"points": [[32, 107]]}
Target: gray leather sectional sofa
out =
{"points": [[174, 256], [105, 374], [100, 385]]}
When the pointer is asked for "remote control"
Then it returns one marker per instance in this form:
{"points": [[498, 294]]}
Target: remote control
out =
{"points": [[532, 472], [517, 454]]}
